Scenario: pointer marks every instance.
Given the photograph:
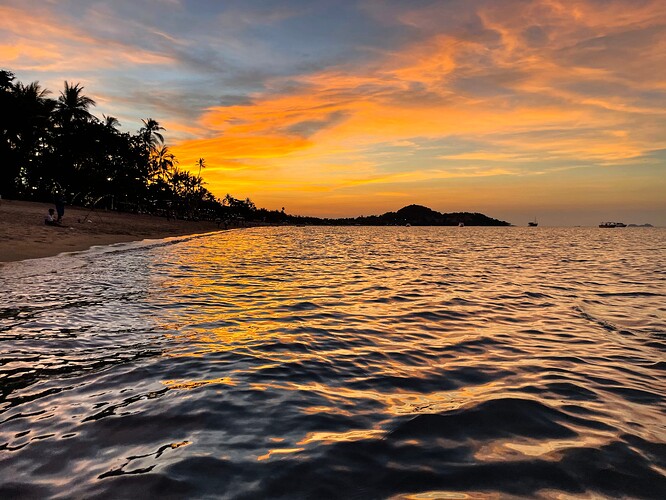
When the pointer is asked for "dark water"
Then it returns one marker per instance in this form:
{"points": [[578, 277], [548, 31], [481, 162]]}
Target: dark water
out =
{"points": [[342, 363]]}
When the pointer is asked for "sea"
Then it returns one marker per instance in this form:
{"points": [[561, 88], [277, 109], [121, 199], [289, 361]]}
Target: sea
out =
{"points": [[339, 362]]}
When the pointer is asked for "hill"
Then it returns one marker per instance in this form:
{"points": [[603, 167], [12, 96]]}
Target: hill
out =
{"points": [[418, 215], [415, 215]]}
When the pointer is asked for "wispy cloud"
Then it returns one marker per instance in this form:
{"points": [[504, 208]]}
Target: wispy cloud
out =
{"points": [[333, 97]]}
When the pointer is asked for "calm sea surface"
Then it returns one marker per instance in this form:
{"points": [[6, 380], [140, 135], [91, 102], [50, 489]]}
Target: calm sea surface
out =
{"points": [[339, 363]]}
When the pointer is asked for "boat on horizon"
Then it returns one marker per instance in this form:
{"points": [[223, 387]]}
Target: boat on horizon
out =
{"points": [[533, 223], [612, 224]]}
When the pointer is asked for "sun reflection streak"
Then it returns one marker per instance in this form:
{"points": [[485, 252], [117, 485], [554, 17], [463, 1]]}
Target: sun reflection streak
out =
{"points": [[278, 451], [338, 437], [188, 385]]}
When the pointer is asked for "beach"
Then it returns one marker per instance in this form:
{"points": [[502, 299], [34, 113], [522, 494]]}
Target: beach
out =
{"points": [[23, 234]]}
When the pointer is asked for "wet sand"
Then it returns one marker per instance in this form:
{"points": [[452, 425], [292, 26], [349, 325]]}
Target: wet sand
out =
{"points": [[23, 234]]}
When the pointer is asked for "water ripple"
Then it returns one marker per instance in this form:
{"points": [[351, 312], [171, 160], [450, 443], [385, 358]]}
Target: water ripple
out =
{"points": [[339, 363]]}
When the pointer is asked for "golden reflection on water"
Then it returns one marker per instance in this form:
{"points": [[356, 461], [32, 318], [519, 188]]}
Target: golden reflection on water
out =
{"points": [[330, 410], [336, 318], [278, 451], [422, 354], [548, 449], [445, 495], [337, 437], [396, 402], [188, 385], [518, 449]]}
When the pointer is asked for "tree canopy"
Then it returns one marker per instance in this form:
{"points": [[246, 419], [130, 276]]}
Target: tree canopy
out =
{"points": [[57, 147]]}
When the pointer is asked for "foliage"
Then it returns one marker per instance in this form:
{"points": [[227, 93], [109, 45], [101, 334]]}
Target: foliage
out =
{"points": [[57, 147]]}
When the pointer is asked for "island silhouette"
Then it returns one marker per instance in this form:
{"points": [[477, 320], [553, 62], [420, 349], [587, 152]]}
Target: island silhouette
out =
{"points": [[413, 215]]}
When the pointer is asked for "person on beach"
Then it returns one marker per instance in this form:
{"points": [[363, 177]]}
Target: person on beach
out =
{"points": [[60, 206], [50, 219]]}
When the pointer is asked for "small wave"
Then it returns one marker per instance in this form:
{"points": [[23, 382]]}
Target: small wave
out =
{"points": [[629, 294], [299, 306], [489, 420], [606, 325], [637, 395], [336, 362], [67, 261]]}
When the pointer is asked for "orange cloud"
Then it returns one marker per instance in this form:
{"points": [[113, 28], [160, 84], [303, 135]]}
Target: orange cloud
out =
{"points": [[487, 91], [416, 94], [38, 41]]}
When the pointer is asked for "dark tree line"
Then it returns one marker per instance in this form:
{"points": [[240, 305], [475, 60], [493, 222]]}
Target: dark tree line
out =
{"points": [[55, 147]]}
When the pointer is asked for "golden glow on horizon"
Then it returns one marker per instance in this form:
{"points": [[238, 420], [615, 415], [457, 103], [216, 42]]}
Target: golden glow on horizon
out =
{"points": [[353, 121]]}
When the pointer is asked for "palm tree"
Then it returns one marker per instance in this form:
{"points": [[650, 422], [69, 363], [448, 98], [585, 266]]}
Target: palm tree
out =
{"points": [[25, 127], [33, 108], [111, 123], [6, 79], [229, 200], [150, 134], [72, 106], [32, 90], [74, 141], [164, 161], [202, 164]]}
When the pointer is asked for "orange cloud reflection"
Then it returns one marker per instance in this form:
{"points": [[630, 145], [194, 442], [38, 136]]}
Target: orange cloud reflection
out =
{"points": [[278, 451], [188, 385]]}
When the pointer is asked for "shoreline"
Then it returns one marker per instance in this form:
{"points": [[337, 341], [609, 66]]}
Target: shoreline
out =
{"points": [[23, 234]]}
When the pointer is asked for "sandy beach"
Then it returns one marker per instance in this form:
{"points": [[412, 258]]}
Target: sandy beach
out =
{"points": [[23, 234]]}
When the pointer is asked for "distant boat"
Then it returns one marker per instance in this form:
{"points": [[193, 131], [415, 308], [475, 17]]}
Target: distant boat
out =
{"points": [[612, 224], [533, 223]]}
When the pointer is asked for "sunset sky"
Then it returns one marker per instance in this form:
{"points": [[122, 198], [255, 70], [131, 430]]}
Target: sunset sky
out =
{"points": [[514, 108]]}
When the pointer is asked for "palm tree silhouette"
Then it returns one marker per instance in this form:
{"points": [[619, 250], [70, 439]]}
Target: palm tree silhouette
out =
{"points": [[202, 164], [72, 106], [164, 163], [26, 131], [150, 134], [6, 79], [34, 109], [33, 91], [111, 123], [57, 147]]}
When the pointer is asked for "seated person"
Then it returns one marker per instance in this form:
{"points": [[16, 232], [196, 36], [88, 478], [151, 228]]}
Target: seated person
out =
{"points": [[50, 219]]}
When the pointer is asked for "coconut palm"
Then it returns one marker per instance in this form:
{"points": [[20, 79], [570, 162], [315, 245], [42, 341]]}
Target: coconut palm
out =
{"points": [[72, 106], [6, 79], [202, 164], [33, 109], [74, 142], [111, 123], [32, 90], [150, 134], [229, 201], [163, 163], [24, 126]]}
